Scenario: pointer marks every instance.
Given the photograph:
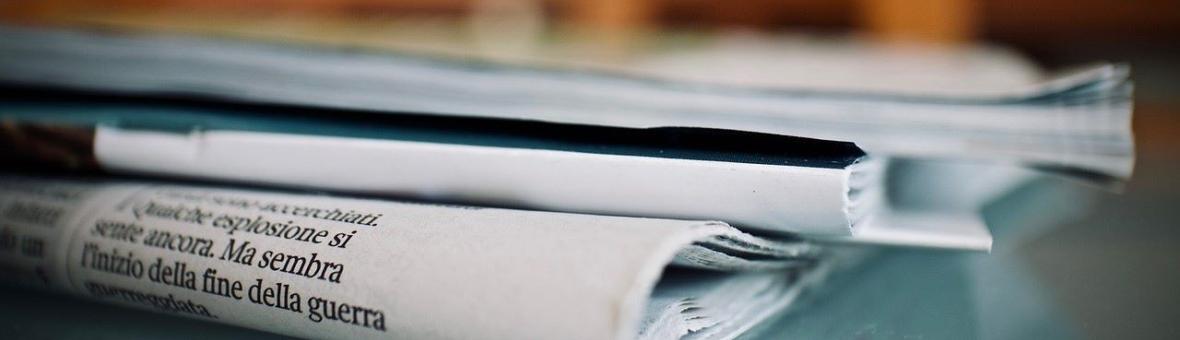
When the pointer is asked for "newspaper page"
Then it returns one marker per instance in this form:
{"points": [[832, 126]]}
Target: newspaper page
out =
{"points": [[321, 266]]}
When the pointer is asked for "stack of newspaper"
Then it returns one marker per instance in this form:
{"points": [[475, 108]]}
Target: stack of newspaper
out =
{"points": [[351, 193]]}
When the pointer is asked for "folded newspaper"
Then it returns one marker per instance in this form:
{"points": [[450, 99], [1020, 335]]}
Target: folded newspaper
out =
{"points": [[1077, 122], [798, 185], [330, 267], [816, 189]]}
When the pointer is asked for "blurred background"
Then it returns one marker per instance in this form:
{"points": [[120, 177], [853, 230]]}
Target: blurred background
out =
{"points": [[1114, 272], [1052, 34]]}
